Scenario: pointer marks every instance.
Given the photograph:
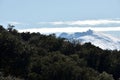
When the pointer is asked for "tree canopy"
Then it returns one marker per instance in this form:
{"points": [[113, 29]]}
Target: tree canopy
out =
{"points": [[34, 56]]}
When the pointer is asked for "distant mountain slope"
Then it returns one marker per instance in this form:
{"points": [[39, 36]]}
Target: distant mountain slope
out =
{"points": [[101, 40]]}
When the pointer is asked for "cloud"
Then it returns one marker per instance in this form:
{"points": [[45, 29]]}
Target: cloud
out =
{"points": [[53, 23], [93, 22], [58, 23], [14, 23], [69, 29], [85, 22]]}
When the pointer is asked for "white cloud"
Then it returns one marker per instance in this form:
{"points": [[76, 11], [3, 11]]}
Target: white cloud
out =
{"points": [[53, 23], [14, 23], [69, 29], [84, 22], [93, 22], [57, 23]]}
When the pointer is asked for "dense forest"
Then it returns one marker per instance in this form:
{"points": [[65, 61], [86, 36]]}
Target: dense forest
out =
{"points": [[34, 56]]}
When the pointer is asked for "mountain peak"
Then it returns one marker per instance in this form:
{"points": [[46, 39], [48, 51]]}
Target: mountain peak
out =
{"points": [[104, 41], [89, 31]]}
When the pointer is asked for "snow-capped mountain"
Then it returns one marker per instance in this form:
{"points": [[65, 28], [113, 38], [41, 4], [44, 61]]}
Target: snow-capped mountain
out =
{"points": [[98, 39]]}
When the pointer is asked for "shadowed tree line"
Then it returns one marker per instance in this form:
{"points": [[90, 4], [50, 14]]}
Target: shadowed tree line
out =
{"points": [[34, 56]]}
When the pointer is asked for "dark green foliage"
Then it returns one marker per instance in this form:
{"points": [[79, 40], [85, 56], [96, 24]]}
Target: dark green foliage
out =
{"points": [[105, 76], [56, 66], [34, 56], [8, 77], [14, 55], [25, 36]]}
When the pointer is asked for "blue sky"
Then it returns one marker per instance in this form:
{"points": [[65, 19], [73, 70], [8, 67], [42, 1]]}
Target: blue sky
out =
{"points": [[41, 13], [52, 10]]}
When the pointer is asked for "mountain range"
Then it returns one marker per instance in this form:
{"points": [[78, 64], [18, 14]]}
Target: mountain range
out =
{"points": [[104, 41]]}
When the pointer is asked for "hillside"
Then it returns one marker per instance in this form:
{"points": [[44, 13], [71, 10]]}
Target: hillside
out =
{"points": [[34, 56]]}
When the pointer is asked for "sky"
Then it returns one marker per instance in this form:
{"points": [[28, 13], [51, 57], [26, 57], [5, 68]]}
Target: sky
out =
{"points": [[65, 15]]}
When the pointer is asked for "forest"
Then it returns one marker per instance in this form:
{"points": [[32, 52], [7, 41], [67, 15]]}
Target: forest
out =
{"points": [[35, 56]]}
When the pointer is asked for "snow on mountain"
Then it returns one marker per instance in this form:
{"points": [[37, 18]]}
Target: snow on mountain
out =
{"points": [[101, 40]]}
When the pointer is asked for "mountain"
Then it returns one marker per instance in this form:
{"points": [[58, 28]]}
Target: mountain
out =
{"points": [[98, 39]]}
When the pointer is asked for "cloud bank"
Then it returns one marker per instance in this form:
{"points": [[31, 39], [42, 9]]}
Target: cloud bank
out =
{"points": [[69, 29], [70, 26], [84, 22]]}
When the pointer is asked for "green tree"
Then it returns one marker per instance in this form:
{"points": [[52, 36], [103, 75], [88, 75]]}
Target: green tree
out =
{"points": [[10, 27], [105, 76]]}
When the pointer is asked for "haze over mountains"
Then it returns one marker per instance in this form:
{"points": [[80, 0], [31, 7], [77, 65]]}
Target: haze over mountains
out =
{"points": [[97, 38]]}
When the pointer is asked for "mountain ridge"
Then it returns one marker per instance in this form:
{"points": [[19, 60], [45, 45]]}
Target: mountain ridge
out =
{"points": [[104, 41]]}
